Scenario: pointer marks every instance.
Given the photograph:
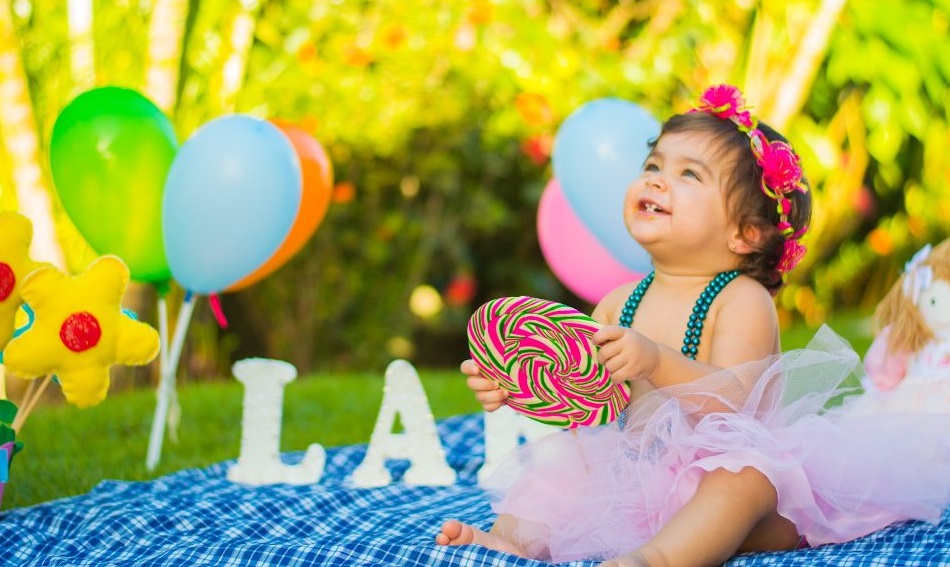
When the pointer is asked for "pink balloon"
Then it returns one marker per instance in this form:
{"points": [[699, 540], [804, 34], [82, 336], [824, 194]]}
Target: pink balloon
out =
{"points": [[575, 256]]}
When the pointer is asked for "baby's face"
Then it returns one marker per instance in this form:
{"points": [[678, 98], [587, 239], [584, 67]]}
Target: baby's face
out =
{"points": [[934, 304], [676, 205]]}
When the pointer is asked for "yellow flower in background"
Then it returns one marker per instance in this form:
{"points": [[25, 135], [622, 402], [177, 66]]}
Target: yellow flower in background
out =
{"points": [[79, 330], [16, 233]]}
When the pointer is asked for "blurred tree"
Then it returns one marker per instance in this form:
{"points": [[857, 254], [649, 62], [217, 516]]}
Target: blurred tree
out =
{"points": [[440, 118]]}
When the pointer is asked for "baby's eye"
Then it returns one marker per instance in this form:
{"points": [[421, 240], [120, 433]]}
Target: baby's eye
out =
{"points": [[650, 167], [691, 173]]}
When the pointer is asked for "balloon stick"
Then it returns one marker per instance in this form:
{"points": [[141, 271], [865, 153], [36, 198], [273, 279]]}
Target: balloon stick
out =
{"points": [[163, 331], [166, 386], [174, 410], [32, 396]]}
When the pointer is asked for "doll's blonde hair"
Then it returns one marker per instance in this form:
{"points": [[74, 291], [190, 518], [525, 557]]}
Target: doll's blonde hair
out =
{"points": [[909, 332]]}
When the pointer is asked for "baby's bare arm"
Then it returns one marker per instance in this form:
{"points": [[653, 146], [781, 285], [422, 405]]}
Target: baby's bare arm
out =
{"points": [[746, 326]]}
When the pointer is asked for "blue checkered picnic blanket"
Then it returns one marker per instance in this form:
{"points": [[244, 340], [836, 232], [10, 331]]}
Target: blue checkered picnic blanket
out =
{"points": [[198, 517]]}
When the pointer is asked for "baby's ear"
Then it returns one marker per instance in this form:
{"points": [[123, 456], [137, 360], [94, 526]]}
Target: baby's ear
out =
{"points": [[746, 240]]}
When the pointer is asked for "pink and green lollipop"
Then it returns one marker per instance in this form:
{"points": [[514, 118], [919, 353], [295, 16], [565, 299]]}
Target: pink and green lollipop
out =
{"points": [[543, 353]]}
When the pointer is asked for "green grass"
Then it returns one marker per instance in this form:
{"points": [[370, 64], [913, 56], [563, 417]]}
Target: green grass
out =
{"points": [[68, 450], [853, 327]]}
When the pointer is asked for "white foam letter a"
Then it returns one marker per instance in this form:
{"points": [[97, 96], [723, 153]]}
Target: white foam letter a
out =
{"points": [[419, 442]]}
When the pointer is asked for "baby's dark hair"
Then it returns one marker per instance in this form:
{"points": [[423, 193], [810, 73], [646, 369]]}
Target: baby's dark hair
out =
{"points": [[755, 213]]}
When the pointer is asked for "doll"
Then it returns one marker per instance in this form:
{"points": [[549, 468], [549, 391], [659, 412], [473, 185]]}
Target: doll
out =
{"points": [[908, 364]]}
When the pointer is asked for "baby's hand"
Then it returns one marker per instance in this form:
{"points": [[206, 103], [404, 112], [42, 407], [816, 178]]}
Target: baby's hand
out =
{"points": [[625, 353], [486, 391]]}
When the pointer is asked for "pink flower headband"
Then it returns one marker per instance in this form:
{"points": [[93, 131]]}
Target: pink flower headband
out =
{"points": [[781, 169]]}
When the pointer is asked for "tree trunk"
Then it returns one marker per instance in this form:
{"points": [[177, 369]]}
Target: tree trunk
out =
{"points": [[20, 140], [82, 59], [233, 70], [166, 33], [797, 82]]}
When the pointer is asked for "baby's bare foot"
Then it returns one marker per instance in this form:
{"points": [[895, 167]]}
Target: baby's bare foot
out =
{"points": [[455, 532]]}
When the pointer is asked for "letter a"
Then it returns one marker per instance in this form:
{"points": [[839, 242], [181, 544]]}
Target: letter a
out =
{"points": [[419, 442]]}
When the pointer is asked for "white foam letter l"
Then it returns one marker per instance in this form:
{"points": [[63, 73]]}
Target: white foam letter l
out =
{"points": [[259, 462]]}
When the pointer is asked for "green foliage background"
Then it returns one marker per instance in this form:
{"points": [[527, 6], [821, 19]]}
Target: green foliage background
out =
{"points": [[440, 115]]}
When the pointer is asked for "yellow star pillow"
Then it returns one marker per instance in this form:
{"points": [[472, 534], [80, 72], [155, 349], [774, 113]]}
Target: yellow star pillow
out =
{"points": [[16, 233], [79, 330]]}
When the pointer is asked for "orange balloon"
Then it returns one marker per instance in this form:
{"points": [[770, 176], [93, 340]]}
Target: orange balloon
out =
{"points": [[317, 175]]}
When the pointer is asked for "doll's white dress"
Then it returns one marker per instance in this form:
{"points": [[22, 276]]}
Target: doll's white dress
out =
{"points": [[598, 492], [923, 387]]}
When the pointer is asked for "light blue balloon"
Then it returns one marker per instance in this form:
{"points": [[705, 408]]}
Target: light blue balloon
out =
{"points": [[598, 151], [231, 197]]}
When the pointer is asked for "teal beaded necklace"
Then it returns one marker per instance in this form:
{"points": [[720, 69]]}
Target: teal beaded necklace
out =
{"points": [[694, 328]]}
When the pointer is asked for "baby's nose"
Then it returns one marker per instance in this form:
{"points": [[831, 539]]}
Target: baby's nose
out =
{"points": [[656, 180]]}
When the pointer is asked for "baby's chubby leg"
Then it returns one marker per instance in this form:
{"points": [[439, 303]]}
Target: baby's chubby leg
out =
{"points": [[730, 512], [455, 532]]}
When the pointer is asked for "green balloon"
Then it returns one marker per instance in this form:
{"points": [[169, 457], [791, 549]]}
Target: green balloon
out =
{"points": [[110, 152]]}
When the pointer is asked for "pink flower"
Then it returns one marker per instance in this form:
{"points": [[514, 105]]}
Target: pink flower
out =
{"points": [[781, 169], [791, 256], [744, 120], [723, 101]]}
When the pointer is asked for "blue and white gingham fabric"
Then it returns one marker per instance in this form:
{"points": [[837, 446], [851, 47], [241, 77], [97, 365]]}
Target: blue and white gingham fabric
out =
{"points": [[198, 517]]}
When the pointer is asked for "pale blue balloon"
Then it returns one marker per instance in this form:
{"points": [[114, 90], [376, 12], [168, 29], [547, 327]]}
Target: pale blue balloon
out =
{"points": [[598, 151], [231, 197]]}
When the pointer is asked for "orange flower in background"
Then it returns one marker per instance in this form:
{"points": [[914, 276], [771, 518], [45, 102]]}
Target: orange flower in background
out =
{"points": [[534, 109], [612, 44], [344, 192], [395, 36], [460, 291], [480, 12], [881, 242], [538, 148], [307, 52], [357, 56]]}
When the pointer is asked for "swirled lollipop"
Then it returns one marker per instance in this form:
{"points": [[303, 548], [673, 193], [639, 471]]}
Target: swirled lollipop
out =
{"points": [[543, 354]]}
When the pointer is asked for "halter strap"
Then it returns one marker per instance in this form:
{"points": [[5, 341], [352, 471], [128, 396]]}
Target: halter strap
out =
{"points": [[694, 328]]}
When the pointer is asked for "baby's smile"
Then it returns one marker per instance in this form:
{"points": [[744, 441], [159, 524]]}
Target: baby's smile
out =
{"points": [[651, 207]]}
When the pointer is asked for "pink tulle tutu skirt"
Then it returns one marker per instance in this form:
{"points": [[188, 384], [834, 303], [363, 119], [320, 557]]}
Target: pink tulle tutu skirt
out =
{"points": [[595, 493]]}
